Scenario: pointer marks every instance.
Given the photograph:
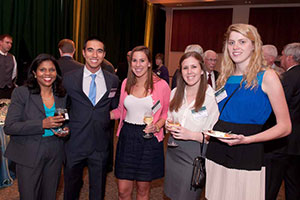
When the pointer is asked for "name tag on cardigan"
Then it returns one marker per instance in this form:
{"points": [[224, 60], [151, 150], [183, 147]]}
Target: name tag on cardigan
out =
{"points": [[156, 107]]}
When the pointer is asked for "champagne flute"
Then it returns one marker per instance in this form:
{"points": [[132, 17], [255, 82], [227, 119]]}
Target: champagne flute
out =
{"points": [[174, 123], [148, 119]]}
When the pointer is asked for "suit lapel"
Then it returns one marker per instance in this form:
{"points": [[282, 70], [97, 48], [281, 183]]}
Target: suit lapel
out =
{"points": [[37, 100], [108, 83], [78, 79]]}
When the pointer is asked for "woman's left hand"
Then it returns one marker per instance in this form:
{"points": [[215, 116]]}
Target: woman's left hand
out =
{"points": [[151, 128], [235, 139], [64, 133]]}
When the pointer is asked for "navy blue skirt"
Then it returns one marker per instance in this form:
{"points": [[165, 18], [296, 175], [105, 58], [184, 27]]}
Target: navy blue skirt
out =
{"points": [[138, 158]]}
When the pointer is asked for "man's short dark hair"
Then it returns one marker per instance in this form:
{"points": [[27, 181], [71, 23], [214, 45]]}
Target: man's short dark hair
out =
{"points": [[66, 46], [4, 36], [93, 38]]}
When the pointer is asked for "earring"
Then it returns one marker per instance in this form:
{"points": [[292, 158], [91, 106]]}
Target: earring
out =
{"points": [[34, 76]]}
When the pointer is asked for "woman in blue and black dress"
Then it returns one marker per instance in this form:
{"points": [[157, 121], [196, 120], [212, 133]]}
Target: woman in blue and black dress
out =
{"points": [[234, 165]]}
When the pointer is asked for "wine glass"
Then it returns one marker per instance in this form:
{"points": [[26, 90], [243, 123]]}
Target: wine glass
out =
{"points": [[64, 113], [174, 123], [148, 119]]}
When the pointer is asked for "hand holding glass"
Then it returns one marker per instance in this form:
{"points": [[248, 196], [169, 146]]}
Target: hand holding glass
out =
{"points": [[148, 119], [173, 123], [64, 113]]}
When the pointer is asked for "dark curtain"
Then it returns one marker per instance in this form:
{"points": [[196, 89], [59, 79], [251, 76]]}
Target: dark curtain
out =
{"points": [[279, 26], [36, 27], [205, 27], [121, 25], [159, 31]]}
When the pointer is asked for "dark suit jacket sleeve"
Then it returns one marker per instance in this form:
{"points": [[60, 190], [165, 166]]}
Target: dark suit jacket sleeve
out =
{"points": [[14, 123], [115, 100]]}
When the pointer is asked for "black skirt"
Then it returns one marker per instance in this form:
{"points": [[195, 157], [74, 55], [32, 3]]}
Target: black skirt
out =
{"points": [[244, 156], [138, 158]]}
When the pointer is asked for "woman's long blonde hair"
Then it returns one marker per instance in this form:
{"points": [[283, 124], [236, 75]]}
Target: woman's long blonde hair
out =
{"points": [[256, 62]]}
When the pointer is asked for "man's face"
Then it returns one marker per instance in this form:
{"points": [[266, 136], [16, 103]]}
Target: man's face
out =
{"points": [[5, 44], [210, 61], [94, 54], [284, 61]]}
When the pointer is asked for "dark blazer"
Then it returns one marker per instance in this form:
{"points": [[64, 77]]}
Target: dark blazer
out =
{"points": [[216, 74], [89, 125], [24, 125], [291, 85], [67, 64]]}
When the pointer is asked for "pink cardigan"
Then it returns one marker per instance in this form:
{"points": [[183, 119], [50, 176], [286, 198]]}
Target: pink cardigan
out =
{"points": [[161, 91]]}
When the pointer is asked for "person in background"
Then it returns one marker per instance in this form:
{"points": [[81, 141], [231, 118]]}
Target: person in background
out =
{"points": [[270, 54], [210, 61], [193, 104], [8, 67], [92, 94], [66, 48], [284, 162], [106, 65], [123, 68], [140, 154], [35, 145], [190, 48], [161, 71], [234, 165]]}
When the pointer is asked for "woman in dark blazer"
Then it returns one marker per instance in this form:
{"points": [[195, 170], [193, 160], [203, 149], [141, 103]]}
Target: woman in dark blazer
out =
{"points": [[35, 146]]}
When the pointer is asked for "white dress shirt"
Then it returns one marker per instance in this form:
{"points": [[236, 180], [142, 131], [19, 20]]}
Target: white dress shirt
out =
{"points": [[100, 83], [14, 73], [198, 121]]}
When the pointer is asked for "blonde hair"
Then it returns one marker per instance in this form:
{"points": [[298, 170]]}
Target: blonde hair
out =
{"points": [[256, 62]]}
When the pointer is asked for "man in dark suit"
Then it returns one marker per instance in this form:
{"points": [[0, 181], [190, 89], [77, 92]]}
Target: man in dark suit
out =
{"points": [[210, 61], [283, 163], [66, 62], [92, 94]]}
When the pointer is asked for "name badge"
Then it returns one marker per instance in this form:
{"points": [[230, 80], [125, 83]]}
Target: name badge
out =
{"points": [[200, 113], [156, 107], [220, 94], [67, 116], [112, 92]]}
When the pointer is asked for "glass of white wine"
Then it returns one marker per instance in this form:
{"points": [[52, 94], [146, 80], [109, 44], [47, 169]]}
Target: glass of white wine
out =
{"points": [[148, 119], [174, 123]]}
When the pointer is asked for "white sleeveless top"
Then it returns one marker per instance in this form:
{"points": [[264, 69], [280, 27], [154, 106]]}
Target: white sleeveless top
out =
{"points": [[136, 108]]}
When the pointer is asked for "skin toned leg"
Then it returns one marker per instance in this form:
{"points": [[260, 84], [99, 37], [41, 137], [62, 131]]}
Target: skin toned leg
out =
{"points": [[125, 188], [143, 190]]}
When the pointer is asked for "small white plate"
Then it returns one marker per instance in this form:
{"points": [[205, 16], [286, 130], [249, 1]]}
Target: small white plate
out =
{"points": [[218, 134]]}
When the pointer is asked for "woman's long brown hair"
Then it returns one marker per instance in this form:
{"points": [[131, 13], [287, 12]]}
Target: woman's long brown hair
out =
{"points": [[131, 78], [177, 100]]}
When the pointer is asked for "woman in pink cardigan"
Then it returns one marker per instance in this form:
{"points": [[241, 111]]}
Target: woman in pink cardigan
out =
{"points": [[140, 158]]}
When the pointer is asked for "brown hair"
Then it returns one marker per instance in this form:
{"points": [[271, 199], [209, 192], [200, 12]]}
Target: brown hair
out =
{"points": [[4, 36], [66, 46], [131, 79], [177, 100]]}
